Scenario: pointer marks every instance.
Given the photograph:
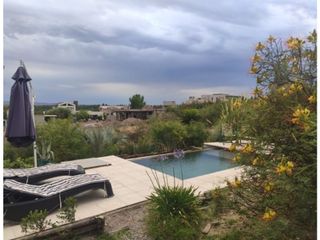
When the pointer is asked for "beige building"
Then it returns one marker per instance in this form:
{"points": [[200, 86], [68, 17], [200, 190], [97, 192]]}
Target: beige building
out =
{"points": [[169, 103], [68, 105], [210, 98]]}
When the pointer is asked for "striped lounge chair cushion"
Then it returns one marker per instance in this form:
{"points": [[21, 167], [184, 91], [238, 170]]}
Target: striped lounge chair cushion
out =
{"points": [[56, 187], [26, 172]]}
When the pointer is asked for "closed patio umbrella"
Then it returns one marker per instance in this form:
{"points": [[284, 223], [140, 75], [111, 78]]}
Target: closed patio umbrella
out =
{"points": [[20, 130]]}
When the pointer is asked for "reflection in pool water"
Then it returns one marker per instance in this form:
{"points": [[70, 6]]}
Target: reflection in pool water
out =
{"points": [[192, 164]]}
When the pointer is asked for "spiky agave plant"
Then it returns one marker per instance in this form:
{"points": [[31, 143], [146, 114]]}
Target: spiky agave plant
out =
{"points": [[99, 138], [44, 151]]}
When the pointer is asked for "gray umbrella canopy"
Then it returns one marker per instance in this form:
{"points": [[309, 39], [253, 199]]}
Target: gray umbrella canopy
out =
{"points": [[20, 129]]}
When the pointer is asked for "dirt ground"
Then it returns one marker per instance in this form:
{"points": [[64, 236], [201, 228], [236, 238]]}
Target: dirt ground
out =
{"points": [[129, 220]]}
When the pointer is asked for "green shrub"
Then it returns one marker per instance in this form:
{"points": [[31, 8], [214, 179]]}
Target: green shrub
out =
{"points": [[189, 115], [82, 115], [173, 213], [62, 113], [99, 138], [67, 140], [68, 210], [19, 163], [35, 221], [216, 133], [168, 135], [12, 153], [196, 134]]}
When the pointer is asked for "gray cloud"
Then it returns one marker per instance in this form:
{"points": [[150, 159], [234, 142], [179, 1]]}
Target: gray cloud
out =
{"points": [[103, 51]]}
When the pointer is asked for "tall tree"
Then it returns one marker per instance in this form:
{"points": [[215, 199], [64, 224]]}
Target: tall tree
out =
{"points": [[137, 101]]}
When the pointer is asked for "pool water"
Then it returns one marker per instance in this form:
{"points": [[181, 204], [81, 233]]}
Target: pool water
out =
{"points": [[192, 165]]}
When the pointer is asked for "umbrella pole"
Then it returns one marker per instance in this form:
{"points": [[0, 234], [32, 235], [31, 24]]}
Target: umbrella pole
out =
{"points": [[34, 143], [34, 123]]}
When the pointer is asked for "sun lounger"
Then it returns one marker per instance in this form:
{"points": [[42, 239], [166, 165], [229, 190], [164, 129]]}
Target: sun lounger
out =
{"points": [[32, 175], [21, 198]]}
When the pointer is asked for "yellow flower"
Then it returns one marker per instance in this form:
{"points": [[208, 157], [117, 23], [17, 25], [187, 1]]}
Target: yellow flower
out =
{"points": [[269, 215], [260, 46], [285, 168], [254, 69], [236, 158], [256, 58], [248, 149], [294, 43], [290, 164], [312, 37], [257, 92], [280, 169], [300, 115], [312, 99], [281, 90], [237, 103], [255, 161], [271, 39], [268, 187], [236, 183], [232, 147]]}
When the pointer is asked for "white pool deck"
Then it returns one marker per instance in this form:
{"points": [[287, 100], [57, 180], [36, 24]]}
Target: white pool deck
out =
{"points": [[131, 185], [226, 145]]}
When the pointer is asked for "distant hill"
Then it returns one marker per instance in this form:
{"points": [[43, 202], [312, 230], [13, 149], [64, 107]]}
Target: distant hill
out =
{"points": [[6, 103]]}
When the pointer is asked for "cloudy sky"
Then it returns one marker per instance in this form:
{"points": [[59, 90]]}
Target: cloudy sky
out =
{"points": [[104, 51]]}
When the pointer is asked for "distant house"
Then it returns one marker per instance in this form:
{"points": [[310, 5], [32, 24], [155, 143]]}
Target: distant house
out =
{"points": [[109, 111], [169, 103], [94, 115], [68, 105], [210, 98], [214, 97]]}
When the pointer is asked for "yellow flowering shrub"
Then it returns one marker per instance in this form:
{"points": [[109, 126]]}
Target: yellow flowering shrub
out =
{"points": [[279, 184]]}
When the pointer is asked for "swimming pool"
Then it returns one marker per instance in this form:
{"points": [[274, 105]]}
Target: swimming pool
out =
{"points": [[193, 164]]}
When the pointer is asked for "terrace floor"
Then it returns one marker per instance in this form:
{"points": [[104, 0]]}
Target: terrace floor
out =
{"points": [[131, 185]]}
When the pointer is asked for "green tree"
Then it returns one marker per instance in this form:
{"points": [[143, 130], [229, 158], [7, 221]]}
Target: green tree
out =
{"points": [[168, 135], [137, 101], [278, 193], [67, 140], [60, 112]]}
